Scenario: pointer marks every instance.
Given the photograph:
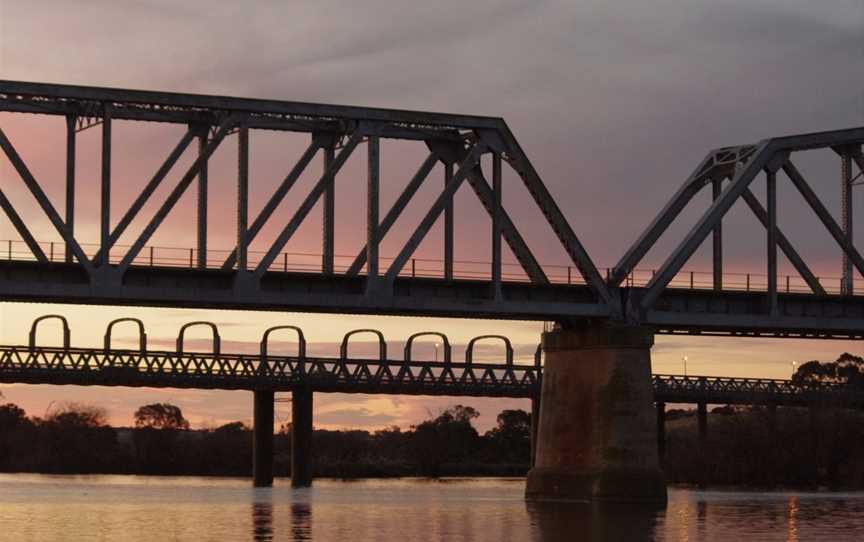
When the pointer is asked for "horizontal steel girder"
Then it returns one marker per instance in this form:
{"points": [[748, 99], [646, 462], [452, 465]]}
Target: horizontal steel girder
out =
{"points": [[162, 369], [728, 312]]}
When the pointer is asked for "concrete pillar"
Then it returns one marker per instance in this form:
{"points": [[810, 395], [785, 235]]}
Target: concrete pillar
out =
{"points": [[702, 418], [535, 425], [262, 439], [597, 439], [661, 429], [301, 438]]}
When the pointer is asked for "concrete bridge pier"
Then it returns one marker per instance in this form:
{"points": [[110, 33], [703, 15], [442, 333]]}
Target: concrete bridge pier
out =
{"points": [[301, 437], [597, 439], [262, 438]]}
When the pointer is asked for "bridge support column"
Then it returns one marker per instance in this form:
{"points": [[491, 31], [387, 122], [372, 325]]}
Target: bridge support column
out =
{"points": [[597, 437], [661, 429], [262, 439], [301, 438]]}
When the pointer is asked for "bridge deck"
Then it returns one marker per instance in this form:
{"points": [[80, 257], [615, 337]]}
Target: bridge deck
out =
{"points": [[162, 369]]}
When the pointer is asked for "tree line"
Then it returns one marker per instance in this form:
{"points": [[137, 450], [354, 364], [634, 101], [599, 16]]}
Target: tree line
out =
{"points": [[745, 446], [76, 438]]}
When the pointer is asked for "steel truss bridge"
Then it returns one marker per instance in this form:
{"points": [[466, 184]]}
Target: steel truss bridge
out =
{"points": [[668, 299], [142, 367]]}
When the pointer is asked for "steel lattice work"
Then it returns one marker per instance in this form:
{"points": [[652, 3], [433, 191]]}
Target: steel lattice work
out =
{"points": [[109, 366], [665, 300]]}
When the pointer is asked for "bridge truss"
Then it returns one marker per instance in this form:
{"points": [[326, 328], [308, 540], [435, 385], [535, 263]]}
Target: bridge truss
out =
{"points": [[142, 367], [111, 274]]}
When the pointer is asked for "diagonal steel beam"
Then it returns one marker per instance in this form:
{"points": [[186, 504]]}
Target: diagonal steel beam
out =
{"points": [[514, 239], [224, 128], [25, 234], [706, 224], [275, 200], [784, 244], [44, 202], [148, 191], [308, 203], [544, 200], [399, 206], [823, 214], [469, 163], [661, 222]]}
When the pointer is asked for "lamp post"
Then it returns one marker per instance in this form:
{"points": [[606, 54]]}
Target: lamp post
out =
{"points": [[794, 363], [436, 351], [685, 366]]}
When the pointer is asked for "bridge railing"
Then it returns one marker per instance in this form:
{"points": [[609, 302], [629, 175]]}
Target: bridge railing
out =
{"points": [[225, 370], [308, 262]]}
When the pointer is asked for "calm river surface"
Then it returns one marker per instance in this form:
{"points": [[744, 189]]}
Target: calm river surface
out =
{"points": [[40, 507]]}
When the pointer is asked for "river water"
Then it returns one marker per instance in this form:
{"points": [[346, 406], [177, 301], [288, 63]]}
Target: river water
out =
{"points": [[120, 508]]}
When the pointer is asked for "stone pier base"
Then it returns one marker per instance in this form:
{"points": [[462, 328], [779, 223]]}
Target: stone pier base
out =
{"points": [[597, 435]]}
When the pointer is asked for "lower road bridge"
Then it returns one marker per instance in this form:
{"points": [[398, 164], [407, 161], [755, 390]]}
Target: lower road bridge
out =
{"points": [[264, 374]]}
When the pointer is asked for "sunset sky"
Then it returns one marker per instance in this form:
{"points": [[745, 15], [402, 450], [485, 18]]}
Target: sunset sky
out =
{"points": [[613, 105]]}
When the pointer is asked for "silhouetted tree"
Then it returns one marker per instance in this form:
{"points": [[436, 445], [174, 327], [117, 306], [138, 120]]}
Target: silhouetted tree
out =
{"points": [[510, 440], [77, 439], [847, 370], [160, 416], [17, 439], [448, 438]]}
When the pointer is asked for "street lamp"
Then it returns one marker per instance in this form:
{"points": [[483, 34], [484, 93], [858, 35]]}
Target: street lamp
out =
{"points": [[436, 351], [685, 365], [794, 363]]}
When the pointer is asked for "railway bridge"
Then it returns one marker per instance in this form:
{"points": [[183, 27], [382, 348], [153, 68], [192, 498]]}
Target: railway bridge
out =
{"points": [[596, 430]]}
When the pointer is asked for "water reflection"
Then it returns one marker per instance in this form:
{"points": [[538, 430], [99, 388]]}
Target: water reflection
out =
{"points": [[554, 522], [301, 521], [262, 521]]}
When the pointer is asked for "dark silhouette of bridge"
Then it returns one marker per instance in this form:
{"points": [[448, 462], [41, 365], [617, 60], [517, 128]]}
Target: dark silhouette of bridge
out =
{"points": [[304, 375], [597, 362]]}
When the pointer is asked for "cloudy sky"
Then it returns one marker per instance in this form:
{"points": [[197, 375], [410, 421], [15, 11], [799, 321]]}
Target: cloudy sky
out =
{"points": [[614, 103]]}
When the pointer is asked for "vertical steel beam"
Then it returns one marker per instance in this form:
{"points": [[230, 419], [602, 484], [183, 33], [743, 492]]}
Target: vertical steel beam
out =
{"points": [[262, 438], [784, 244], [465, 167], [242, 196], [717, 238], [496, 225], [70, 181], [329, 212], [508, 230], [301, 437], [448, 226], [105, 222], [396, 209], [823, 214], [703, 227], [771, 189], [274, 201], [310, 201], [846, 286], [202, 203], [44, 203], [175, 195], [372, 202]]}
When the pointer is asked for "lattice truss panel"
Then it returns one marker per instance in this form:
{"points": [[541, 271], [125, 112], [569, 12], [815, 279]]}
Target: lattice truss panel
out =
{"points": [[458, 142]]}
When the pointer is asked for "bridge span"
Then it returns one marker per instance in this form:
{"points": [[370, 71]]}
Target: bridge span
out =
{"points": [[264, 374], [596, 375]]}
